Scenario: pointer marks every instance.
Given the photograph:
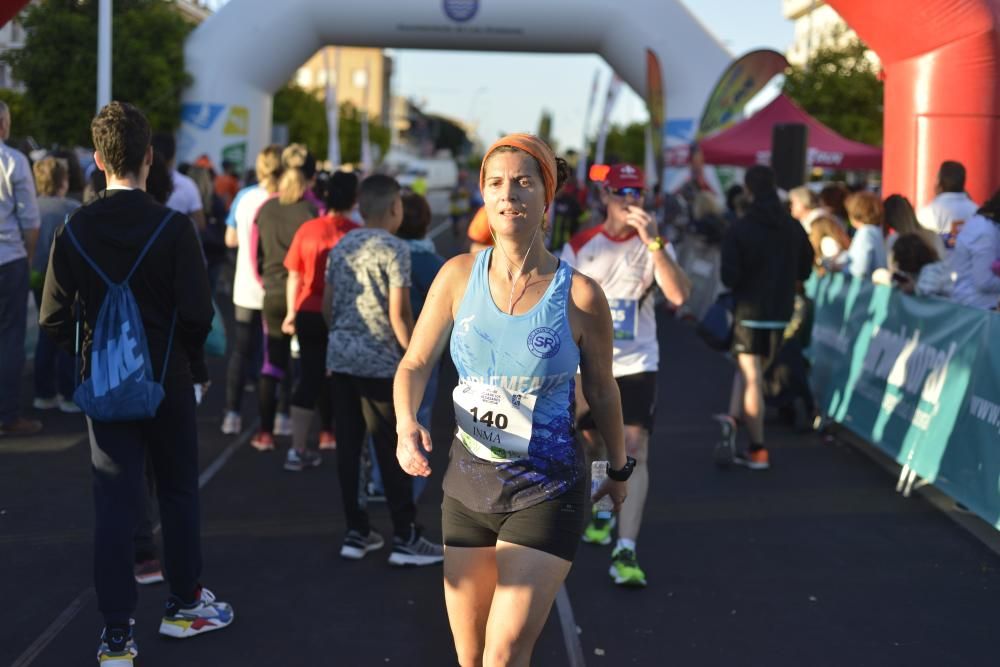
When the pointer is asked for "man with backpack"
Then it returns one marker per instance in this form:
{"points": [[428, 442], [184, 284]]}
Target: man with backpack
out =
{"points": [[135, 272]]}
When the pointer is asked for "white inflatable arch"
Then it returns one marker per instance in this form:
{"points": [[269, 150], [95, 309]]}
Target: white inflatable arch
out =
{"points": [[241, 55]]}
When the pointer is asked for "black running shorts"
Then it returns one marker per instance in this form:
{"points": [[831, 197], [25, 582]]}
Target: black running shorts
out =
{"points": [[638, 402], [757, 342], [553, 526]]}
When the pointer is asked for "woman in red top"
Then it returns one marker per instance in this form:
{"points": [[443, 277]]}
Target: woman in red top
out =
{"points": [[306, 264]]}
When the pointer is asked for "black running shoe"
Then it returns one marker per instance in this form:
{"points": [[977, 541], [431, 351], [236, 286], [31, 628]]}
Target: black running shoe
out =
{"points": [[356, 546], [725, 448]]}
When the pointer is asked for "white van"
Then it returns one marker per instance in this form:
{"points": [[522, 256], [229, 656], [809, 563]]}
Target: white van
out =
{"points": [[439, 173]]}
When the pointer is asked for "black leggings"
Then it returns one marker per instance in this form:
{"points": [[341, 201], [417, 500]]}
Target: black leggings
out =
{"points": [[244, 362], [312, 387], [364, 405], [277, 355]]}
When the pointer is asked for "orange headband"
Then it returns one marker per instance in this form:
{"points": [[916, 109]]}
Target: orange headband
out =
{"points": [[534, 147]]}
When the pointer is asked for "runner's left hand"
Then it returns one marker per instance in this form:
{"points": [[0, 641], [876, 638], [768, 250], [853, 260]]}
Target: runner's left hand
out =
{"points": [[288, 324]]}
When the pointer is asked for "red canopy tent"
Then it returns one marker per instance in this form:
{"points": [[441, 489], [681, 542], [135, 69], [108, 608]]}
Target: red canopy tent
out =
{"points": [[749, 142]]}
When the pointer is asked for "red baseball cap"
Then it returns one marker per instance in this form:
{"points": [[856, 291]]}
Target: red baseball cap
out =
{"points": [[625, 176]]}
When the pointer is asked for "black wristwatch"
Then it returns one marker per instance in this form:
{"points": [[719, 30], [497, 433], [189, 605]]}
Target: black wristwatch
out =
{"points": [[623, 474]]}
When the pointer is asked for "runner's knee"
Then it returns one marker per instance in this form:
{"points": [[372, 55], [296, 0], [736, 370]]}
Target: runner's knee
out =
{"points": [[637, 443], [469, 656], [506, 651]]}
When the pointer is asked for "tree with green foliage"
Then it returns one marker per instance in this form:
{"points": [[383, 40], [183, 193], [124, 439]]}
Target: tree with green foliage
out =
{"points": [[58, 65], [305, 116], [545, 127], [840, 87], [349, 127], [22, 121], [625, 144], [449, 135]]}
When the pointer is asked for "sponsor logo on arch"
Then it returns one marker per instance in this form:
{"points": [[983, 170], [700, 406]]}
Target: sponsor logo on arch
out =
{"points": [[461, 11]]}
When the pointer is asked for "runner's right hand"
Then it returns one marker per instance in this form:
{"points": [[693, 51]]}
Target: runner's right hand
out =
{"points": [[617, 490], [411, 449]]}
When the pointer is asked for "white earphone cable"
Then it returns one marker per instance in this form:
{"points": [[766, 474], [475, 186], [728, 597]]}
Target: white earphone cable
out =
{"points": [[520, 269]]}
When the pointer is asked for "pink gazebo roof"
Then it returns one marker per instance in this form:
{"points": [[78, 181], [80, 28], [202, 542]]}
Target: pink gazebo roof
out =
{"points": [[749, 142]]}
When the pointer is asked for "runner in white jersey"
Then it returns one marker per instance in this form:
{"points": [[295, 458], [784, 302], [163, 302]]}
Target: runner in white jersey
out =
{"points": [[248, 293], [627, 258]]}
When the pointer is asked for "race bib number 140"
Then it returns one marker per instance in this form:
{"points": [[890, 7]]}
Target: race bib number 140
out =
{"points": [[494, 424]]}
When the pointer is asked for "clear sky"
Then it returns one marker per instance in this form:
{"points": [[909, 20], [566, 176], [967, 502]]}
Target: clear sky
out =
{"points": [[453, 83]]}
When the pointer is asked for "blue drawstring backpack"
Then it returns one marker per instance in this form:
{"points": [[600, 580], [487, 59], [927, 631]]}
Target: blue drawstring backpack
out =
{"points": [[121, 385]]}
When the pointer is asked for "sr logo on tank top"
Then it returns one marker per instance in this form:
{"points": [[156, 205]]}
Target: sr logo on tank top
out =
{"points": [[544, 342]]}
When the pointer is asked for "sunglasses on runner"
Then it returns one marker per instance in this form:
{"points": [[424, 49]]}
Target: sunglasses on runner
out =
{"points": [[637, 193]]}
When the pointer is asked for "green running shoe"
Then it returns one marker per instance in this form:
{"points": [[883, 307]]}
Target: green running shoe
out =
{"points": [[625, 569], [598, 531]]}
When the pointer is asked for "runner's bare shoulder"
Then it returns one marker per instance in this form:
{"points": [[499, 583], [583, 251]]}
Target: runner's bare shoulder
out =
{"points": [[585, 293], [458, 267], [588, 305]]}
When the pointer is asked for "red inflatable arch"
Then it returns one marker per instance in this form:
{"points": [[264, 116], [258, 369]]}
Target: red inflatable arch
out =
{"points": [[942, 98]]}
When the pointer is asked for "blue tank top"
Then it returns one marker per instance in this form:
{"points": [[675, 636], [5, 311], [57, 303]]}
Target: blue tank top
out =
{"points": [[515, 444]]}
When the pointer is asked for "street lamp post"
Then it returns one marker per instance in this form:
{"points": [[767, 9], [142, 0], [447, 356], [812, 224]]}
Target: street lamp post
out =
{"points": [[103, 53]]}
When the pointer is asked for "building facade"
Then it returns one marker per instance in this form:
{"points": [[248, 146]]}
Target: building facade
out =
{"points": [[11, 39], [362, 77], [817, 24]]}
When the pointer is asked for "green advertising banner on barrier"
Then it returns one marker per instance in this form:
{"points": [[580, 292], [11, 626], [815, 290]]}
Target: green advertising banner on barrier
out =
{"points": [[972, 470], [917, 377]]}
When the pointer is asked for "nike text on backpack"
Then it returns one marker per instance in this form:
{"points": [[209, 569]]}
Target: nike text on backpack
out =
{"points": [[121, 385]]}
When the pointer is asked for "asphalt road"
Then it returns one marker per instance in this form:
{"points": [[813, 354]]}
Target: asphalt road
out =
{"points": [[815, 562]]}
